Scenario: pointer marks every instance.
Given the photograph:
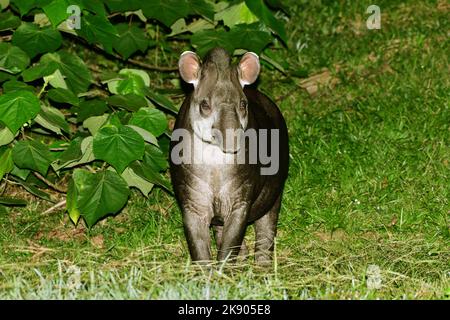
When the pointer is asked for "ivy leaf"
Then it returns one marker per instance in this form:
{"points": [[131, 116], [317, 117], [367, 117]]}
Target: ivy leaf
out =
{"points": [[12, 58], [134, 180], [98, 29], [8, 21], [78, 77], [32, 155], [155, 158], [14, 85], [131, 39], [241, 33], [237, 14], [34, 40], [56, 11], [6, 136], [119, 146], [18, 107], [123, 6], [150, 119], [166, 11], [130, 102], [149, 173], [206, 40], [52, 119], [97, 194], [25, 6], [71, 202], [90, 108], [161, 100], [61, 95], [203, 8], [6, 163], [265, 15]]}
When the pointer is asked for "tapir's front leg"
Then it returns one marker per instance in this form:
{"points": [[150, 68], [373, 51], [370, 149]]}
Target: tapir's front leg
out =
{"points": [[196, 221], [233, 233]]}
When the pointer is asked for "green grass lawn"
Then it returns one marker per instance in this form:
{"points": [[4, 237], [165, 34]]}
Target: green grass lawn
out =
{"points": [[366, 211]]}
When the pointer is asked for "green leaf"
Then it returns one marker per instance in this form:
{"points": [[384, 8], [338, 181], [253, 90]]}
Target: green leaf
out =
{"points": [[265, 15], [155, 158], [71, 202], [203, 8], [56, 11], [130, 102], [61, 95], [72, 154], [12, 201], [133, 180], [118, 146], [236, 14], [123, 6], [52, 119], [161, 100], [25, 6], [4, 4], [33, 190], [98, 29], [87, 155], [56, 80], [131, 81], [34, 40], [147, 136], [32, 155], [206, 40], [20, 173], [241, 33], [6, 136], [166, 11], [90, 108], [99, 194], [95, 123], [131, 39], [8, 21], [150, 119], [12, 59], [6, 163], [78, 77], [18, 107], [146, 171], [14, 85]]}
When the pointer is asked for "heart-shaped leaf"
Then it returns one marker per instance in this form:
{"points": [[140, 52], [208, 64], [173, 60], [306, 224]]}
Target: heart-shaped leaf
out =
{"points": [[131, 39], [12, 58], [150, 119], [34, 40], [97, 194], [32, 155], [119, 146], [63, 96], [18, 107], [166, 11]]}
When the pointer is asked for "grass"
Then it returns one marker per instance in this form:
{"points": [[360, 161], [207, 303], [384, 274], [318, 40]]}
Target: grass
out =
{"points": [[366, 211]]}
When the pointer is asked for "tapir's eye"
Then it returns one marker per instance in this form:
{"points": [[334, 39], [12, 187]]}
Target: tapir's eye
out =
{"points": [[205, 107], [243, 105]]}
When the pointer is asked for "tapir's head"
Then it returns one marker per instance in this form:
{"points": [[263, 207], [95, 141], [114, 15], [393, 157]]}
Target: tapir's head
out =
{"points": [[218, 110]]}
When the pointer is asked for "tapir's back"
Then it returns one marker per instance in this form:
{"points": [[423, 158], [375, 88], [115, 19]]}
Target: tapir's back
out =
{"points": [[267, 116]]}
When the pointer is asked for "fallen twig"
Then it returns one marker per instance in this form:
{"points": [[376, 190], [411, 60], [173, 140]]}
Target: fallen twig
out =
{"points": [[56, 206]]}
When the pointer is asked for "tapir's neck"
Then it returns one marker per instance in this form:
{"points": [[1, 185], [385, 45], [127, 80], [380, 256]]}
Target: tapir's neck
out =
{"points": [[205, 153]]}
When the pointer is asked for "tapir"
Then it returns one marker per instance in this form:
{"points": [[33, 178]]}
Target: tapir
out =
{"points": [[229, 157]]}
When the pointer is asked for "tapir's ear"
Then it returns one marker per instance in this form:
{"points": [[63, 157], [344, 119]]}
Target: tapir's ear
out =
{"points": [[248, 68], [189, 66]]}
